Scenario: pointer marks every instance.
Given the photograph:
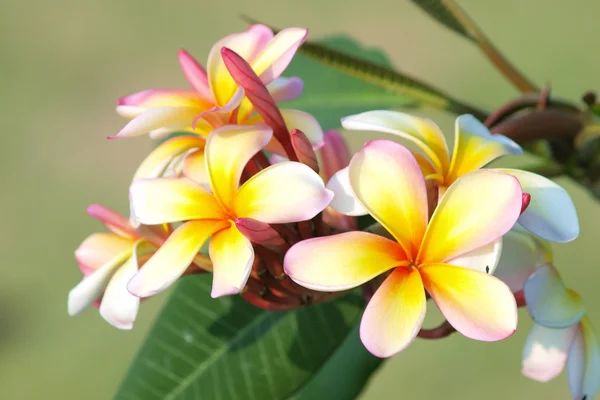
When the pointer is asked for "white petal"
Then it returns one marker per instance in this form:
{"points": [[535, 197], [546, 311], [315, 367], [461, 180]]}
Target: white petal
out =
{"points": [[344, 200]]}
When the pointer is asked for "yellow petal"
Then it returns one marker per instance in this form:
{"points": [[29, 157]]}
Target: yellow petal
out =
{"points": [[394, 314], [342, 261], [476, 210], [478, 305], [194, 167], [232, 256], [278, 53], [388, 182], [228, 150], [158, 160]]}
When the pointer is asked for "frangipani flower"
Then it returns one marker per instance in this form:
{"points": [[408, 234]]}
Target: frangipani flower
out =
{"points": [[108, 261], [449, 257], [283, 193], [551, 214], [215, 99]]}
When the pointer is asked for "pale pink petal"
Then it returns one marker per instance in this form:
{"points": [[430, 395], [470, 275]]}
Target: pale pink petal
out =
{"points": [[545, 352], [112, 220], [394, 314], [195, 74], [155, 118], [194, 167], [583, 363], [232, 256], [286, 89], [483, 259], [154, 98], [278, 53], [344, 200], [100, 248]]}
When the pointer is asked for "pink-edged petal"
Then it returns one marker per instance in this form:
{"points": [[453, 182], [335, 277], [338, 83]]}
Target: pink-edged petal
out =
{"points": [[286, 89], [388, 182], [478, 305], [483, 259], [100, 248], [424, 133], [342, 261], [228, 150], [91, 287], [476, 210], [278, 53], [475, 146], [155, 118], [583, 363], [521, 255], [219, 116], [545, 352], [282, 193], [119, 307], [156, 163], [194, 167], [549, 302], [164, 200], [295, 119], [551, 213], [195, 74], [344, 200], [163, 98], [334, 154], [232, 256], [394, 314], [112, 220], [173, 258]]}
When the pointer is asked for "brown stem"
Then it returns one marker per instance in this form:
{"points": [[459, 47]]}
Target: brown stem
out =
{"points": [[442, 331]]}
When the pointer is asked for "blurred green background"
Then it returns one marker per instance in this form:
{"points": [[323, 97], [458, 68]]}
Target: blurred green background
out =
{"points": [[63, 65]]}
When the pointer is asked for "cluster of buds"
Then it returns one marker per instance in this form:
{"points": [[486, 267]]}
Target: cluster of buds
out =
{"points": [[266, 201]]}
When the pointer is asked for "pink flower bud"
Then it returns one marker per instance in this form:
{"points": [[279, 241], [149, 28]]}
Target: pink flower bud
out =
{"points": [[304, 150]]}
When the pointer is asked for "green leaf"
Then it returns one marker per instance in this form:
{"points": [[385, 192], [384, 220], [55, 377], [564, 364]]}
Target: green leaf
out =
{"points": [[204, 348], [444, 11]]}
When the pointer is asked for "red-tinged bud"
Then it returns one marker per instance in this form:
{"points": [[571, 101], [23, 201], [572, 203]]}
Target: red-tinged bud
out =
{"points": [[112, 220], [260, 233], [526, 201], [335, 154], [339, 221], [258, 94], [304, 150]]}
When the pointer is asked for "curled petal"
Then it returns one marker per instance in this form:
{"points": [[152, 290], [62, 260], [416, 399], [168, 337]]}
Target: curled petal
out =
{"points": [[278, 53], [155, 164], [545, 352], [476, 210], [344, 200], [232, 256], [342, 261], [475, 146], [173, 258], [112, 220], [549, 302], [282, 193], [99, 249], [286, 89], [388, 182], [478, 305], [195, 74], [422, 132], [228, 150], [394, 314], [164, 200], [155, 118], [583, 363], [551, 213], [483, 259]]}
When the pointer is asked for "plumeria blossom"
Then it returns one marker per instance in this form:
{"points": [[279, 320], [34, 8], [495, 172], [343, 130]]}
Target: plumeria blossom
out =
{"points": [[450, 257], [283, 193], [108, 260], [215, 100], [551, 213]]}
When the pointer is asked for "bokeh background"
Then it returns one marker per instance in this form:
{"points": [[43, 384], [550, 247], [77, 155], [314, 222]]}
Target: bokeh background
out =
{"points": [[64, 63]]}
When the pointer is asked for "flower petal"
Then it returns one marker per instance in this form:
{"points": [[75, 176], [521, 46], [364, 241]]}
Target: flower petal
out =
{"points": [[551, 213], [344, 200], [583, 363], [164, 200], [521, 255], [194, 167], [112, 220], [475, 146], [342, 261], [295, 119], [476, 210], [388, 182], [483, 259], [155, 164], [232, 256], [286, 89], [155, 118], [394, 314], [119, 307], [91, 287], [334, 154], [278, 53], [478, 305], [422, 132], [195, 74], [163, 98], [549, 302], [545, 352], [173, 258], [100, 248], [282, 193]]}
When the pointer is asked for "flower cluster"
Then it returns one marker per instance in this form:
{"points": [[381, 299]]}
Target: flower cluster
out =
{"points": [[275, 201]]}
